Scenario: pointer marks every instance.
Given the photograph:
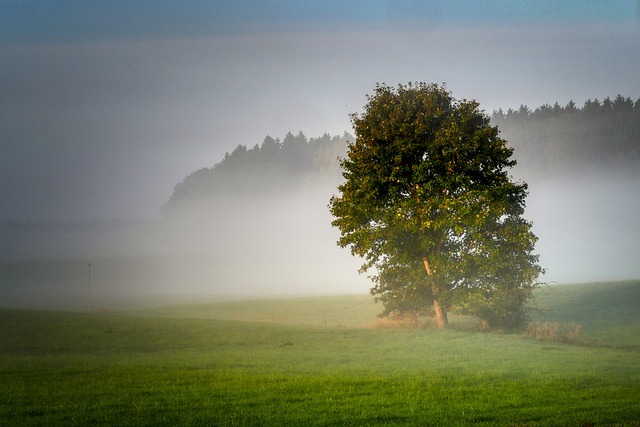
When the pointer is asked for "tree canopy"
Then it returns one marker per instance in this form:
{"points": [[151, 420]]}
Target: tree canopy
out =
{"points": [[428, 204]]}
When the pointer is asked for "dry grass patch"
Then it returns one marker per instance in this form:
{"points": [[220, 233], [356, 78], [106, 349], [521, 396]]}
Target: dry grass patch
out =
{"points": [[556, 332]]}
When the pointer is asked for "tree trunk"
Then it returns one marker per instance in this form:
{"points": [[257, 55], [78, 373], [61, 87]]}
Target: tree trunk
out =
{"points": [[441, 313]]}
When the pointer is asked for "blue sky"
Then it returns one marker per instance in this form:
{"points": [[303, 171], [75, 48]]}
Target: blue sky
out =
{"points": [[53, 21]]}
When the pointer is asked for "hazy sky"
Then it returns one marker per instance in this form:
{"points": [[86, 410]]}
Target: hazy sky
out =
{"points": [[106, 104]]}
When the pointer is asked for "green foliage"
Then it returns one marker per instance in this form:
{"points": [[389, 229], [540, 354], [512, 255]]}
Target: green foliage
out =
{"points": [[429, 206]]}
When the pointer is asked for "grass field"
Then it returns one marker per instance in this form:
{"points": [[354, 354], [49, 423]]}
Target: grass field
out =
{"points": [[320, 361]]}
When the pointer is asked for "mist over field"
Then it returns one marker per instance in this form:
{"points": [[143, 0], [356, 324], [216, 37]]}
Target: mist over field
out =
{"points": [[586, 226], [248, 227], [269, 245], [113, 134]]}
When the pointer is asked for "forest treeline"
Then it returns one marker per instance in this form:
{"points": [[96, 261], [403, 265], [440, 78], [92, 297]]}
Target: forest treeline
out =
{"points": [[293, 163], [555, 140], [548, 141]]}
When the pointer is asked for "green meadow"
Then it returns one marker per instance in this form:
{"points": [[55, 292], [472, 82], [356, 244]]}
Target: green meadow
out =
{"points": [[321, 361]]}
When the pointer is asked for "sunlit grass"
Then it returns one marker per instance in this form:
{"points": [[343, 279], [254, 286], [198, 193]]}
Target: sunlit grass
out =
{"points": [[327, 311], [141, 368]]}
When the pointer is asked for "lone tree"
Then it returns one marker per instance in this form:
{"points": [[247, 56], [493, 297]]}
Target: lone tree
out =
{"points": [[429, 206]]}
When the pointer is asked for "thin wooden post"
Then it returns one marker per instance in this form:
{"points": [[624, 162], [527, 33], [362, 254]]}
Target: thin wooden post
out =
{"points": [[89, 296]]}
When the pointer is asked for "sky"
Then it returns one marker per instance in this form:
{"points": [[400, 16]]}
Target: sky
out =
{"points": [[106, 105]]}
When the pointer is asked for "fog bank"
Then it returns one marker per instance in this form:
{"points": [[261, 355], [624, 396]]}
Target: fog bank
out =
{"points": [[587, 225]]}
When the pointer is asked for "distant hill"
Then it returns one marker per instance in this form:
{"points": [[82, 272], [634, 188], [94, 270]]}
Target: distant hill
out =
{"points": [[275, 166], [549, 141]]}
